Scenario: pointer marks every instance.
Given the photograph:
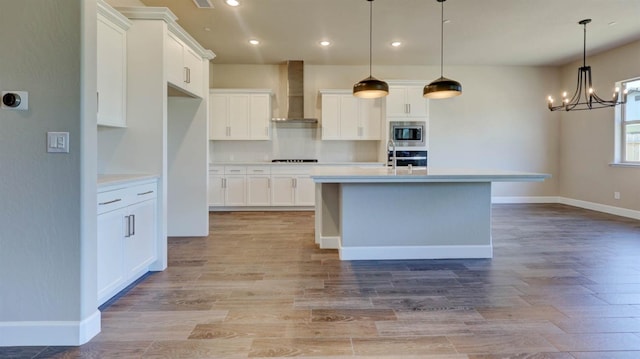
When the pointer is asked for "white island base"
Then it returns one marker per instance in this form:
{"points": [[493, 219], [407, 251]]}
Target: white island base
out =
{"points": [[376, 213]]}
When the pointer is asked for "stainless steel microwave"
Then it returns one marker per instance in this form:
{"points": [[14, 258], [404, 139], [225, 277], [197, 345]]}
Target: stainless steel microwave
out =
{"points": [[408, 133]]}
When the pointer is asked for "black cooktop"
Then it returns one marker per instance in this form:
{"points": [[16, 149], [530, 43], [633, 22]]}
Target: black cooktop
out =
{"points": [[293, 160]]}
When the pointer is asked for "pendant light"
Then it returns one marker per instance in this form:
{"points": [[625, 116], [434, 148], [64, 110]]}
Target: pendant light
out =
{"points": [[585, 97], [442, 87], [370, 87]]}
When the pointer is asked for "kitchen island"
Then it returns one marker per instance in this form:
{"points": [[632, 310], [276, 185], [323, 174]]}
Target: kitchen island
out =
{"points": [[382, 213]]}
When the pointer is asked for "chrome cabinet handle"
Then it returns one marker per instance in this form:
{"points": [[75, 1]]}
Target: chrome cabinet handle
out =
{"points": [[133, 227], [127, 227], [143, 193], [109, 202]]}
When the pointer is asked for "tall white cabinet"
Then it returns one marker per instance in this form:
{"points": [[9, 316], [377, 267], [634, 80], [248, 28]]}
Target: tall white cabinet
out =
{"points": [[166, 125], [111, 66]]}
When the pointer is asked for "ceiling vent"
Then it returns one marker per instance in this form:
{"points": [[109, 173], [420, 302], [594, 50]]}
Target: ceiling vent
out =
{"points": [[203, 4]]}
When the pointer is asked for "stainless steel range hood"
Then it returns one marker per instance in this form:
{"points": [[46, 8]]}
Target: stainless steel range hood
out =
{"points": [[295, 96]]}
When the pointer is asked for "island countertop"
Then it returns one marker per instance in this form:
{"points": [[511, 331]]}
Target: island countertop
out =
{"points": [[429, 174]]}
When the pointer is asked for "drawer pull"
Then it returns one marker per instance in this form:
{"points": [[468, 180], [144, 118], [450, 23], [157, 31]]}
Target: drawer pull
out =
{"points": [[143, 193], [109, 202]]}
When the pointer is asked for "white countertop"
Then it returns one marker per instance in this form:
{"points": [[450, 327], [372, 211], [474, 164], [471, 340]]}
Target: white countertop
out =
{"points": [[269, 163], [402, 174], [115, 179]]}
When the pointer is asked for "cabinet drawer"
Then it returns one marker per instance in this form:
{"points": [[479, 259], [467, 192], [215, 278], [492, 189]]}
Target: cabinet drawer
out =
{"points": [[291, 169], [143, 192], [216, 170], [112, 200], [258, 170], [235, 170]]}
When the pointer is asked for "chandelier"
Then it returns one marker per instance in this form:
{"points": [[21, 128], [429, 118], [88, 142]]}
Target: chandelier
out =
{"points": [[585, 97]]}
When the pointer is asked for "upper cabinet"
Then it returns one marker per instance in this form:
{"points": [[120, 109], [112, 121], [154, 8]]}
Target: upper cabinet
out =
{"points": [[346, 117], [240, 114], [184, 66], [111, 66], [405, 100]]}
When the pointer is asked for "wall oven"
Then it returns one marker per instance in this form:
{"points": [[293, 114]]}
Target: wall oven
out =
{"points": [[408, 133], [406, 158]]}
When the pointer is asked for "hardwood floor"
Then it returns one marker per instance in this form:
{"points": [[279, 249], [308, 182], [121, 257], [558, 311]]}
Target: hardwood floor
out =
{"points": [[563, 283]]}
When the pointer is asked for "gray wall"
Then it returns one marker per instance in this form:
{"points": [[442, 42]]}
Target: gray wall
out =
{"points": [[587, 137], [47, 221]]}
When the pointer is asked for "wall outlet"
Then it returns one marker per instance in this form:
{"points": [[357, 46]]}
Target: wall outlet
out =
{"points": [[616, 195]]}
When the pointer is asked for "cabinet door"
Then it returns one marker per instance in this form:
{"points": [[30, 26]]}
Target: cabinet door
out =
{"points": [[110, 257], [216, 190], [370, 119], [260, 117], [258, 190], [417, 103], [348, 117], [193, 63], [238, 117], [305, 191], [140, 242], [396, 102], [218, 115], [235, 191], [175, 62], [111, 74], [330, 117], [282, 191]]}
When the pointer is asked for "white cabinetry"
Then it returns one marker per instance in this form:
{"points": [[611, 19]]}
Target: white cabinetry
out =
{"points": [[406, 100], [227, 186], [258, 186], [127, 237], [345, 117], [292, 186], [240, 114], [184, 66], [261, 186], [111, 66]]}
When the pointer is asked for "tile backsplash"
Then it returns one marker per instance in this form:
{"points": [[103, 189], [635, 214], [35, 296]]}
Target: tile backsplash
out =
{"points": [[294, 142]]}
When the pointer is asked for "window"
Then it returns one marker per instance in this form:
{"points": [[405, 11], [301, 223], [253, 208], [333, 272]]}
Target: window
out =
{"points": [[630, 122]]}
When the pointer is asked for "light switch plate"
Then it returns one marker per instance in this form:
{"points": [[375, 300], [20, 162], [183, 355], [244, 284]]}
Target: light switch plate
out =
{"points": [[58, 142]]}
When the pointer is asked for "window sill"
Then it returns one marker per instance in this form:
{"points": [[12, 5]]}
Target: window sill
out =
{"points": [[622, 164]]}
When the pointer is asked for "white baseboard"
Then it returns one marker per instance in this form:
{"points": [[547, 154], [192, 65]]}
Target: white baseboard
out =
{"points": [[43, 333], [540, 199], [617, 211], [622, 212], [415, 252], [261, 209], [329, 242]]}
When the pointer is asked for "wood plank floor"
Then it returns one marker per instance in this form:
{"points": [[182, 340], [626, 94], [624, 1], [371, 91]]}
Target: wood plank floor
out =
{"points": [[563, 283]]}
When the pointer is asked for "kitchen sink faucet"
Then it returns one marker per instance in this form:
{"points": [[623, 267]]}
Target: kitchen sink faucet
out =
{"points": [[394, 159]]}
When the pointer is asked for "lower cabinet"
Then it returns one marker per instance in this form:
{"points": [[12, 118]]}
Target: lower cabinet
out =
{"points": [[127, 236], [261, 186]]}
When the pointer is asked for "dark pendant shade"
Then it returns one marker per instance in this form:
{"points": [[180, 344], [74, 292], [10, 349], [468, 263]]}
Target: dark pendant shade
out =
{"points": [[442, 88], [371, 87]]}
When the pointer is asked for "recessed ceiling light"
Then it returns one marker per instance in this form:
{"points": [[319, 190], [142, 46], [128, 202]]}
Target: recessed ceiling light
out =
{"points": [[446, 21], [613, 23], [325, 43], [207, 29], [254, 42], [396, 43], [232, 2]]}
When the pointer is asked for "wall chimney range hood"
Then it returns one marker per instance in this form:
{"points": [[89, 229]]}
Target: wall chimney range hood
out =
{"points": [[295, 96]]}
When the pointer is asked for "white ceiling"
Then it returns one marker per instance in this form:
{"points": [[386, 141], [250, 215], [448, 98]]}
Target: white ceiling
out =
{"points": [[480, 32]]}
